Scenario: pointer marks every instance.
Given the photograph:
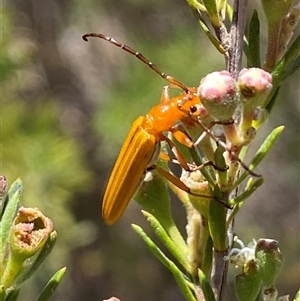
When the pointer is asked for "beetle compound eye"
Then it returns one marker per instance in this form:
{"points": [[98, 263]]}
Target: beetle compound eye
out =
{"points": [[193, 109]]}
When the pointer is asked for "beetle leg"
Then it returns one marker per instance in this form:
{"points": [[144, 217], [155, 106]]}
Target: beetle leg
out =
{"points": [[175, 181], [221, 143], [209, 163], [180, 158], [178, 155], [181, 137]]}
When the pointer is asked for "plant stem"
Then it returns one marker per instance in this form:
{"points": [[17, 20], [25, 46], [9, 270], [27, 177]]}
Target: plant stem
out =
{"points": [[236, 34]]}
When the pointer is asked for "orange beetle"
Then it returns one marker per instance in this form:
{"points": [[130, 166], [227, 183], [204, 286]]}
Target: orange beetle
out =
{"points": [[141, 147]]}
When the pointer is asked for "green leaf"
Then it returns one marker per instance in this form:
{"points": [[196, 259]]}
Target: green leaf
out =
{"points": [[195, 4], [272, 101], [182, 283], [266, 146], [212, 38], [153, 196], [293, 67], [249, 190], [177, 274], [238, 201], [207, 31], [276, 81], [254, 41], [207, 256], [217, 223], [13, 204], [246, 47], [229, 11], [163, 236], [52, 285], [212, 11], [206, 288], [261, 153], [151, 245]]}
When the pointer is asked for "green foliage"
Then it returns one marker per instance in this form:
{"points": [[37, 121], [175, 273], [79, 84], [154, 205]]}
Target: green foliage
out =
{"points": [[52, 285]]}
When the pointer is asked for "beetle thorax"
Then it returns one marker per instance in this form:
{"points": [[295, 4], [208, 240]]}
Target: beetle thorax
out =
{"points": [[162, 117]]}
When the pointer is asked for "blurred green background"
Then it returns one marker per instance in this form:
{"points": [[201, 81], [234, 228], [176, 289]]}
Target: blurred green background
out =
{"points": [[66, 106]]}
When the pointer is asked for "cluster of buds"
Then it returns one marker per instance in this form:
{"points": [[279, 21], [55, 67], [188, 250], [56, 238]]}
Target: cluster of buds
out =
{"points": [[235, 107], [232, 108], [234, 104]]}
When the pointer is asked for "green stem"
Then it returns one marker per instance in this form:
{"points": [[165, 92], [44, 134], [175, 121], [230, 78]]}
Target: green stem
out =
{"points": [[11, 271]]}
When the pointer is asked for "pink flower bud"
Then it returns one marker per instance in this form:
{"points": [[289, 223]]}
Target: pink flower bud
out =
{"points": [[217, 92], [254, 81]]}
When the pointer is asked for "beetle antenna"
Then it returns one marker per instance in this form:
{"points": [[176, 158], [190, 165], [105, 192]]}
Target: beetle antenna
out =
{"points": [[169, 79]]}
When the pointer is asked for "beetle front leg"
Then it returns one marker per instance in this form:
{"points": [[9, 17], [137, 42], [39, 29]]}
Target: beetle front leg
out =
{"points": [[181, 137]]}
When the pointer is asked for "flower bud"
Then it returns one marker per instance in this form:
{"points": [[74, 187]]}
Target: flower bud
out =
{"points": [[269, 260], [29, 232], [217, 92], [254, 84], [248, 284]]}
